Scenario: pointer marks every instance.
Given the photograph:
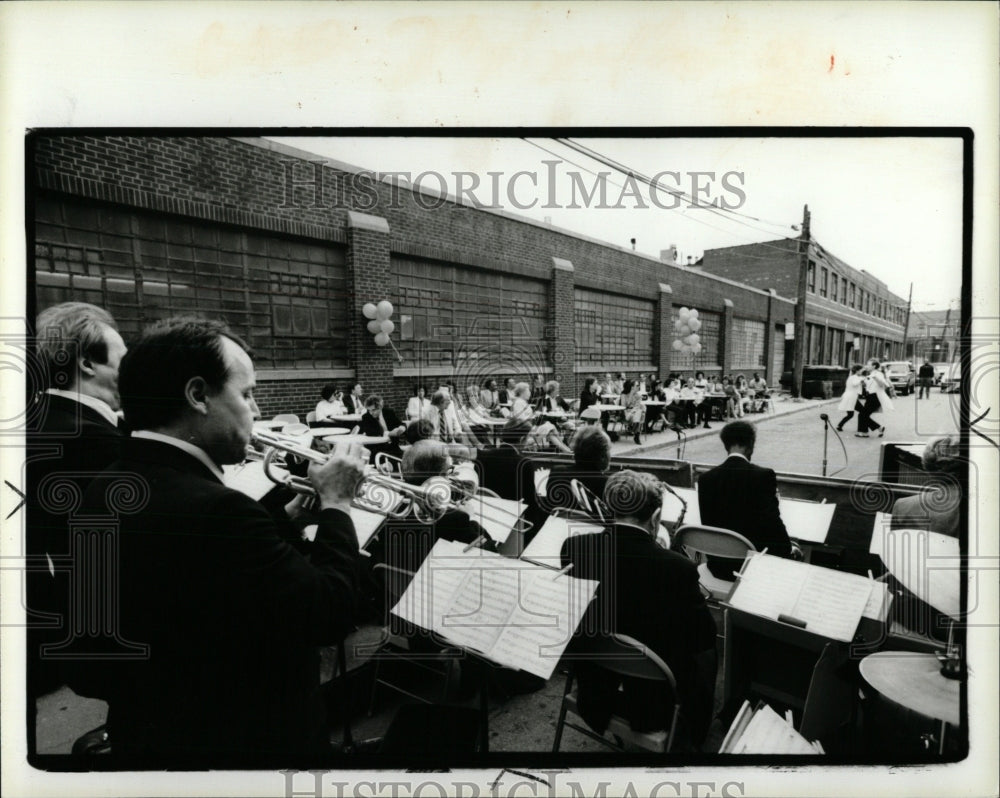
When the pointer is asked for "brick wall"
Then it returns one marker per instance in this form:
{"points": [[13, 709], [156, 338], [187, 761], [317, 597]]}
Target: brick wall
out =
{"points": [[234, 182]]}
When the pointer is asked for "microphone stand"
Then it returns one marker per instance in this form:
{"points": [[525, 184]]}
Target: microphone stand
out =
{"points": [[826, 434]]}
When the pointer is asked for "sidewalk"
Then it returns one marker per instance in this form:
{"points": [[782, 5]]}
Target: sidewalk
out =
{"points": [[783, 405]]}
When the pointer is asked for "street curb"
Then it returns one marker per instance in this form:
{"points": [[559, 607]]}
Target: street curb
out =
{"points": [[693, 435]]}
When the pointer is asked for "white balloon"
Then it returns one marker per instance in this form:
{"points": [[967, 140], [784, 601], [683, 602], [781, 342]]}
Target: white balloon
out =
{"points": [[694, 324], [694, 313], [387, 326], [694, 338], [684, 330], [374, 326], [368, 311], [381, 339], [384, 309], [677, 345], [683, 313], [697, 348]]}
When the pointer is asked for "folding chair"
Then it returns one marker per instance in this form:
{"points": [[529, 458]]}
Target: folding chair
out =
{"points": [[716, 542], [620, 656], [311, 417]]}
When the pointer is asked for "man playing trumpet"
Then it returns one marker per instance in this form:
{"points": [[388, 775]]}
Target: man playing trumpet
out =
{"points": [[232, 615]]}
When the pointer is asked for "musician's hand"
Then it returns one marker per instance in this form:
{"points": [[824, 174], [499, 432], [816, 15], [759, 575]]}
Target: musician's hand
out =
{"points": [[337, 479]]}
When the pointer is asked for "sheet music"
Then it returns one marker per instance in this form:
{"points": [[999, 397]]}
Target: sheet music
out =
{"points": [[768, 733], [672, 507], [248, 478], [543, 621], [831, 603], [496, 516], [366, 524], [769, 586], [883, 522], [515, 613], [808, 521], [430, 591], [546, 546], [877, 607]]}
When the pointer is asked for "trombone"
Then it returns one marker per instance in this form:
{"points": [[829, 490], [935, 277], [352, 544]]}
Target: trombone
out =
{"points": [[378, 491]]}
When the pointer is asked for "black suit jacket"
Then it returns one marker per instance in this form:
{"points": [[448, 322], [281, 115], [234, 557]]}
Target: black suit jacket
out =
{"points": [[652, 595], [743, 497], [370, 426], [68, 441], [352, 405], [232, 616]]}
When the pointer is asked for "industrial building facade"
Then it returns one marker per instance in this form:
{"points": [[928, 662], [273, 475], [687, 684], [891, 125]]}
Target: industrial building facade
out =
{"points": [[850, 315], [287, 247]]}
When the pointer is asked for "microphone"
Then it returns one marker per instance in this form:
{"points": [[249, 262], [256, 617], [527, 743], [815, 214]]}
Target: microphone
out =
{"points": [[824, 416]]}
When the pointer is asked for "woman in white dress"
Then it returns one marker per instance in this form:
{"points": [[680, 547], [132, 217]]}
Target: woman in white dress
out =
{"points": [[851, 400], [878, 388]]}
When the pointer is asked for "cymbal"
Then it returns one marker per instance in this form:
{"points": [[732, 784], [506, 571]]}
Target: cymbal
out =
{"points": [[914, 681], [927, 564]]}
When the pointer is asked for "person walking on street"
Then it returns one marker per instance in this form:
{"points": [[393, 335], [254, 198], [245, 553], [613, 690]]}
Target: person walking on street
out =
{"points": [[926, 378], [877, 388], [850, 402]]}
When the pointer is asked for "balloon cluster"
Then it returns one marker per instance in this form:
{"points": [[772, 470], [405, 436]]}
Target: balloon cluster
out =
{"points": [[380, 325], [686, 326]]}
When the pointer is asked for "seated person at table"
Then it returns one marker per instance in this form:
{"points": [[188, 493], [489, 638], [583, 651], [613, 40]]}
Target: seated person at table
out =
{"points": [[588, 396], [743, 498], [537, 391], [619, 384], [447, 424], [489, 396], [652, 595], [417, 404], [380, 422], [553, 401], [591, 460], [701, 406], [938, 507], [634, 411], [330, 406], [607, 385], [533, 434], [354, 402], [734, 408], [654, 412], [506, 395]]}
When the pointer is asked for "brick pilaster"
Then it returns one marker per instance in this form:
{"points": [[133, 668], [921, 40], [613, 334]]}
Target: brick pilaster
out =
{"points": [[726, 333], [563, 324], [663, 330], [368, 280]]}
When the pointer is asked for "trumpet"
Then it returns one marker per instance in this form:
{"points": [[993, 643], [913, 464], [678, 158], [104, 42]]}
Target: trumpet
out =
{"points": [[377, 492]]}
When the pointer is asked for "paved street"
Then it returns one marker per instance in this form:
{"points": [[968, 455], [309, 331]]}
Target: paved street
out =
{"points": [[794, 441]]}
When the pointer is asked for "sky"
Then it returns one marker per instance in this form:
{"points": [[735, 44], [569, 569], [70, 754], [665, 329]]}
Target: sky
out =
{"points": [[890, 206]]}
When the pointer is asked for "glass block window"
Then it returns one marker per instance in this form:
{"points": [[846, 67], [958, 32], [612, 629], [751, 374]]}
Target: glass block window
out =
{"points": [[748, 344], [843, 290], [613, 331], [285, 297], [454, 315], [834, 284], [822, 281], [710, 356], [812, 276]]}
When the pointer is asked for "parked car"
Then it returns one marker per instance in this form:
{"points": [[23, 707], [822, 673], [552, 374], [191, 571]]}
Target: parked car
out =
{"points": [[902, 376], [952, 380], [940, 370]]}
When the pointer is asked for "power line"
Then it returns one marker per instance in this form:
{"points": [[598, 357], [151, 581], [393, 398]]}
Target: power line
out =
{"points": [[673, 192]]}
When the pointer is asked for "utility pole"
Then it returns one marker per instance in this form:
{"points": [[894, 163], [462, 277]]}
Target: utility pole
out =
{"points": [[906, 324], [799, 353]]}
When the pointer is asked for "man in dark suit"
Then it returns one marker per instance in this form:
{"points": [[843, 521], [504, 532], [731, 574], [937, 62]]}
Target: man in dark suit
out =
{"points": [[591, 459], [72, 435], [380, 421], [743, 498], [353, 400], [232, 615], [652, 595]]}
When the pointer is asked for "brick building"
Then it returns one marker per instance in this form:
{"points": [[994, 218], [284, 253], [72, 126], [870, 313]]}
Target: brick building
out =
{"points": [[934, 334], [287, 247], [850, 315]]}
